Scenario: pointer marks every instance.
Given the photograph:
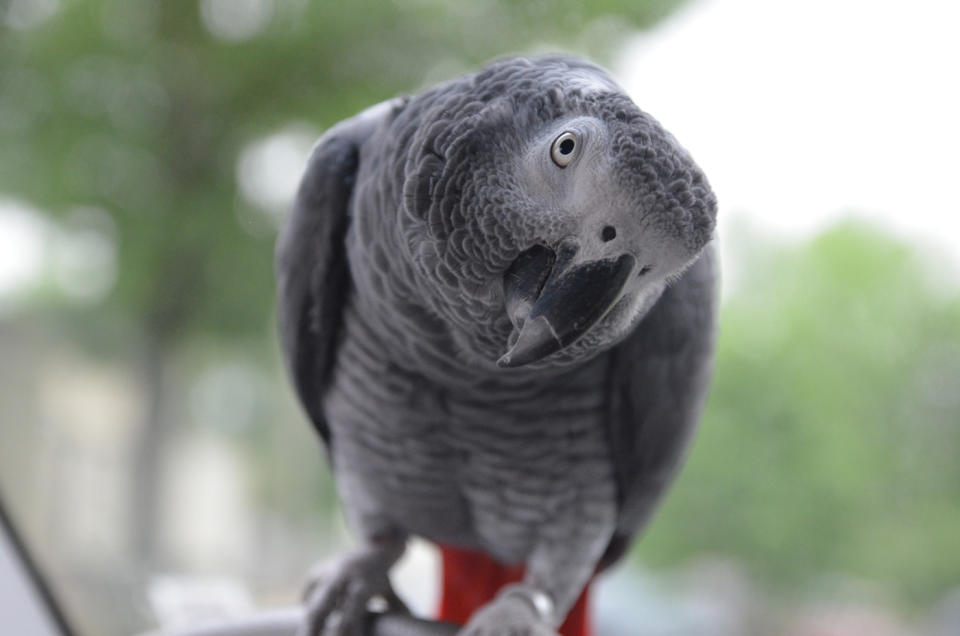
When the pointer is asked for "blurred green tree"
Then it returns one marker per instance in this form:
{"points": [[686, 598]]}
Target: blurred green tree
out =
{"points": [[831, 440]]}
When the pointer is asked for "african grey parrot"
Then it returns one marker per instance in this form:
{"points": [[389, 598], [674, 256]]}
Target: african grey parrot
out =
{"points": [[497, 302]]}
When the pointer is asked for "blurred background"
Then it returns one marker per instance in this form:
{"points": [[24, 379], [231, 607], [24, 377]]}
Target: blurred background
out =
{"points": [[150, 445]]}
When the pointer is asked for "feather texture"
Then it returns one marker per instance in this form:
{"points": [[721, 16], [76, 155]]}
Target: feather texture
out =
{"points": [[392, 317]]}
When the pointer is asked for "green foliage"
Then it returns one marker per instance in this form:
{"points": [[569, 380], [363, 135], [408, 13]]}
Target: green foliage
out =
{"points": [[831, 436], [135, 107]]}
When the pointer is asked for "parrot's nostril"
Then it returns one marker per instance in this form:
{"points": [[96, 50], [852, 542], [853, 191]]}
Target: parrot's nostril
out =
{"points": [[608, 233]]}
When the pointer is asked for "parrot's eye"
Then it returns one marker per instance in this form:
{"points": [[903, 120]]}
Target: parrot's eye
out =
{"points": [[563, 149]]}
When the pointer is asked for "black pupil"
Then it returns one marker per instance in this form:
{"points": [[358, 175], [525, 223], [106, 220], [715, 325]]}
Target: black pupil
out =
{"points": [[566, 146]]}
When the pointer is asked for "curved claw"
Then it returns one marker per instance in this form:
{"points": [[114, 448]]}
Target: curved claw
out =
{"points": [[514, 611], [339, 595]]}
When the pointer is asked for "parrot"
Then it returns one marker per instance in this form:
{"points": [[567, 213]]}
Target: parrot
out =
{"points": [[497, 305]]}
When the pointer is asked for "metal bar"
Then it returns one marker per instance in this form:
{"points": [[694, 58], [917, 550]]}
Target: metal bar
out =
{"points": [[403, 625], [285, 623], [28, 562]]}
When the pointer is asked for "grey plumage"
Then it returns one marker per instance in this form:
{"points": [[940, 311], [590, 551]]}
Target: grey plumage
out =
{"points": [[393, 315]]}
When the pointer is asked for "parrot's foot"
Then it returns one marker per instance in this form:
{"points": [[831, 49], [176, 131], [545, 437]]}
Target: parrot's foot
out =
{"points": [[339, 593], [517, 611]]}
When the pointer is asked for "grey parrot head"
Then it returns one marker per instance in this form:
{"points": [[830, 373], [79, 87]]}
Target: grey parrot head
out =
{"points": [[544, 211]]}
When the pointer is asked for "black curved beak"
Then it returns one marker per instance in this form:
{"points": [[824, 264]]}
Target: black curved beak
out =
{"points": [[554, 303]]}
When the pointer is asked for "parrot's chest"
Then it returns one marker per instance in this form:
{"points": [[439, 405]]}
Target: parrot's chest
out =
{"points": [[492, 467]]}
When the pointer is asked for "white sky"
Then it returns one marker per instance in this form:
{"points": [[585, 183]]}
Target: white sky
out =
{"points": [[803, 112], [23, 235], [800, 113]]}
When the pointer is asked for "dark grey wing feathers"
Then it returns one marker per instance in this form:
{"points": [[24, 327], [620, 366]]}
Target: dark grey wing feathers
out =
{"points": [[658, 380], [313, 278]]}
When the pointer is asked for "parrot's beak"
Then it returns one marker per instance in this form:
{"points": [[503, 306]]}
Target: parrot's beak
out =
{"points": [[554, 301]]}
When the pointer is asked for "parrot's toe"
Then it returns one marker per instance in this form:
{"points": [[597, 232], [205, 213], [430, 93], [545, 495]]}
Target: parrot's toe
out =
{"points": [[340, 593], [508, 615]]}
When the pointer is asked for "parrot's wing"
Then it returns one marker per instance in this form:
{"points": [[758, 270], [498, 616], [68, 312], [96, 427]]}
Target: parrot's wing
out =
{"points": [[313, 278], [658, 383]]}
